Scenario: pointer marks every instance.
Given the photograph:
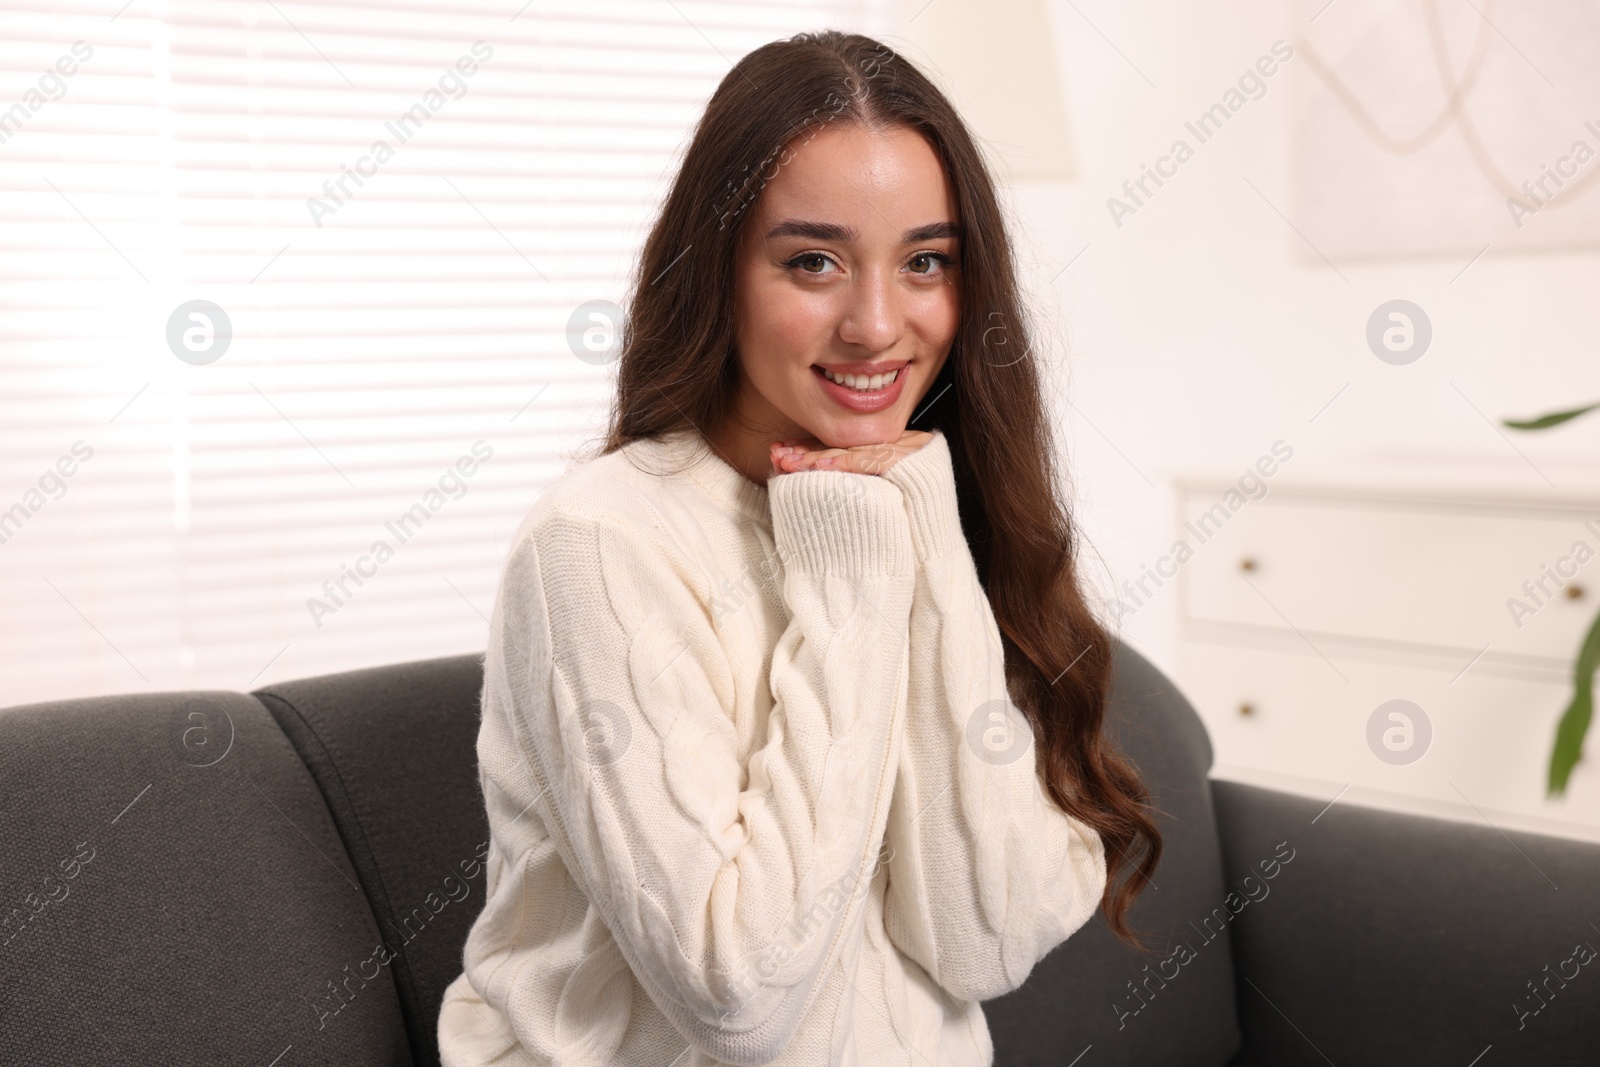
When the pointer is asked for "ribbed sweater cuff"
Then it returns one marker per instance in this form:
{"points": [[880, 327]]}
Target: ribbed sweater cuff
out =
{"points": [[927, 480], [840, 522]]}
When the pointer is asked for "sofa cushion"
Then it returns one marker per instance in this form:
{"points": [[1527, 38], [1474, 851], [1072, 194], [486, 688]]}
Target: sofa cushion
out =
{"points": [[394, 750], [1398, 939], [1094, 990], [175, 892]]}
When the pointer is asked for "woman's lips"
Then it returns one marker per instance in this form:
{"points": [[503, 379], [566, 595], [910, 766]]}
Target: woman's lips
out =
{"points": [[862, 401]]}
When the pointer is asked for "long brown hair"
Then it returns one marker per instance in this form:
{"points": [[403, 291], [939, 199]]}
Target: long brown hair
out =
{"points": [[679, 369]]}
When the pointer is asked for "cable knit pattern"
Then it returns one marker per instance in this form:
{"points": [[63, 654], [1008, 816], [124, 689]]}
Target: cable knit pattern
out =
{"points": [[987, 875], [704, 705]]}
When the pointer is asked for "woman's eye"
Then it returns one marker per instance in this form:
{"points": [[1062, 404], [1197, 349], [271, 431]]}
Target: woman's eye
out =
{"points": [[810, 262], [925, 264]]}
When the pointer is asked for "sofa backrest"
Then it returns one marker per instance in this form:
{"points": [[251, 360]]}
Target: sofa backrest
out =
{"points": [[173, 890], [394, 750]]}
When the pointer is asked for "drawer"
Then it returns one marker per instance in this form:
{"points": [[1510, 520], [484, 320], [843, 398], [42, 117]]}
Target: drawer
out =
{"points": [[1429, 575], [1490, 735]]}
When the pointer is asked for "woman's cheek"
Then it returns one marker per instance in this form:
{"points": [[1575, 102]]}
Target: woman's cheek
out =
{"points": [[801, 323], [941, 314]]}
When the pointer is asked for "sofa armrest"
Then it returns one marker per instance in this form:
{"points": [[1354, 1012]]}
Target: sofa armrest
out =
{"points": [[1391, 938]]}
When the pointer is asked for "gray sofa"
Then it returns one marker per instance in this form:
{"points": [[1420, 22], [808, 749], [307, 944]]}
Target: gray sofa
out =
{"points": [[287, 878]]}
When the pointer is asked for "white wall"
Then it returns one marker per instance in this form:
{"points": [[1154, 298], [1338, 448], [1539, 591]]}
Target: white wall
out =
{"points": [[1203, 329]]}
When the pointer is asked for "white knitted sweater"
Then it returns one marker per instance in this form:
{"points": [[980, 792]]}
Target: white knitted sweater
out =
{"points": [[755, 792]]}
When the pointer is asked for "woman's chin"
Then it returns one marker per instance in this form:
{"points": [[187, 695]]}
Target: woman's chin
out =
{"points": [[875, 429]]}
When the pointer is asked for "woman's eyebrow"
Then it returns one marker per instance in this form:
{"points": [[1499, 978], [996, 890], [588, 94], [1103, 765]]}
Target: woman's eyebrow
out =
{"points": [[933, 231], [833, 231]]}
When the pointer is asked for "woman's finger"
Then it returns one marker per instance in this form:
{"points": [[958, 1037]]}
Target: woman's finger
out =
{"points": [[799, 454]]}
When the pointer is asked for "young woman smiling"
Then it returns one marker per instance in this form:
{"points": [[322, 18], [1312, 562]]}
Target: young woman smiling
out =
{"points": [[791, 739]]}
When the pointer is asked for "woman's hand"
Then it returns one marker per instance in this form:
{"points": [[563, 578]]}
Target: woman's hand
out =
{"points": [[804, 454]]}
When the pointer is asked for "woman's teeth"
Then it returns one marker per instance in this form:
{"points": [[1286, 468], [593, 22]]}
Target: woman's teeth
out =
{"points": [[861, 382]]}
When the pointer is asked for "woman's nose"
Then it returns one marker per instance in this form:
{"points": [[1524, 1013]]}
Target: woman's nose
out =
{"points": [[874, 318]]}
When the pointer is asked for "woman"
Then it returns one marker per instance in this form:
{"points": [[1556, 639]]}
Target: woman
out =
{"points": [[791, 716]]}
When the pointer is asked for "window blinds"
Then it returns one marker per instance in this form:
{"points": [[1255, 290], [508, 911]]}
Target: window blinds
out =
{"points": [[284, 296]]}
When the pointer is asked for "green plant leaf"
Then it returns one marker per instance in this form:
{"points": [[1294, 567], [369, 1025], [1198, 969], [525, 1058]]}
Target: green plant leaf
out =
{"points": [[1575, 720], [1544, 422]]}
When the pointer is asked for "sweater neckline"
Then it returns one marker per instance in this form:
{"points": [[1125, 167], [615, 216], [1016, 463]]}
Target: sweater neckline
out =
{"points": [[702, 465]]}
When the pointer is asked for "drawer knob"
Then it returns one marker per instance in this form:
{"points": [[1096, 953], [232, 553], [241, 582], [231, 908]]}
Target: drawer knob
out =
{"points": [[1248, 563], [1575, 591], [1247, 709]]}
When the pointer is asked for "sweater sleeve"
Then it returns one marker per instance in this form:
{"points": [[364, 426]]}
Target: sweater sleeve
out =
{"points": [[729, 886], [986, 873]]}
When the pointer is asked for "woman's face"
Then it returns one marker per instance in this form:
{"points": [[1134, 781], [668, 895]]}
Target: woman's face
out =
{"points": [[847, 292]]}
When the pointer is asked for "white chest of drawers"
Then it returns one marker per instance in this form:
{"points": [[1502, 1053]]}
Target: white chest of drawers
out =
{"points": [[1304, 610]]}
